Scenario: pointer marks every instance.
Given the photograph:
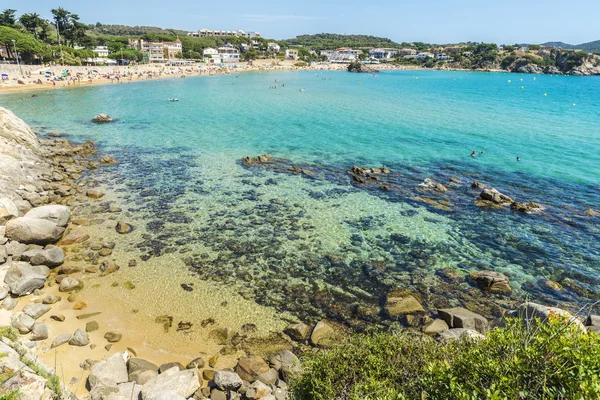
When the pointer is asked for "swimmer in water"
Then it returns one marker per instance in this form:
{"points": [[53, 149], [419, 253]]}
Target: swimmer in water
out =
{"points": [[518, 158], [473, 154]]}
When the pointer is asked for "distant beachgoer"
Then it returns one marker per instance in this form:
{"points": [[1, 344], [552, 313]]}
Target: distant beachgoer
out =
{"points": [[473, 154], [518, 158]]}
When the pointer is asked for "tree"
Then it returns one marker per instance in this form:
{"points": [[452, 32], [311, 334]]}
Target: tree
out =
{"points": [[26, 45], [534, 47], [7, 18], [34, 24], [68, 25], [363, 56]]}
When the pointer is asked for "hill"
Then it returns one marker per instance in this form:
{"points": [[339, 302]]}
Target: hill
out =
{"points": [[323, 41], [590, 47], [558, 44], [125, 30]]}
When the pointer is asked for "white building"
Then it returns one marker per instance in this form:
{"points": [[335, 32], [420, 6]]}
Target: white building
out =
{"points": [[229, 55], [342, 55], [422, 56], [239, 32], [211, 56], [382, 53], [291, 53], [442, 57], [275, 47], [101, 51]]}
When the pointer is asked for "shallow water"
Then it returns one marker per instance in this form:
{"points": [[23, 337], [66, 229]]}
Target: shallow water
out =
{"points": [[320, 245]]}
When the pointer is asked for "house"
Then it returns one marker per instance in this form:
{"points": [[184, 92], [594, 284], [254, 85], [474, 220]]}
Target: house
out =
{"points": [[381, 54], [342, 55], [238, 33], [291, 54], [274, 46], [407, 52], [422, 56], [442, 57], [229, 55], [101, 51], [172, 49], [157, 51], [211, 56]]}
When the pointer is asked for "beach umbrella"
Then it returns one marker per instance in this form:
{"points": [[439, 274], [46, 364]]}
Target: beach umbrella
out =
{"points": [[4, 74]]}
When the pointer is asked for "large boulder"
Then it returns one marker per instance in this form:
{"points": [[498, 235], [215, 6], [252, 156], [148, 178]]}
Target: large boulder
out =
{"points": [[322, 334], [58, 214], [52, 257], [226, 380], [459, 317], [183, 383], [495, 196], [287, 363], [248, 368], [109, 372], [33, 230], [532, 313], [80, 338], [39, 332], [401, 303], [36, 310], [492, 281], [8, 209], [23, 278], [22, 322]]}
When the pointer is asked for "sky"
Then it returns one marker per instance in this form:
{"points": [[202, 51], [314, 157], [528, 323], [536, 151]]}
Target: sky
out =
{"points": [[432, 21]]}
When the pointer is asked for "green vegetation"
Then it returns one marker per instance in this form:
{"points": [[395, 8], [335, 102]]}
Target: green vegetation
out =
{"points": [[9, 332], [324, 41], [554, 361]]}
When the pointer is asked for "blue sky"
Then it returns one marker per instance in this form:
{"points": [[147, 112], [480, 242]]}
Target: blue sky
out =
{"points": [[436, 21]]}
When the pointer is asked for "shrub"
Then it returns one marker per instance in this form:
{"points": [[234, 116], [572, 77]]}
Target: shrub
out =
{"points": [[553, 361]]}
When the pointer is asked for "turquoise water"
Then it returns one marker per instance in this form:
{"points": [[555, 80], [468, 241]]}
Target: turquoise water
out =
{"points": [[320, 245]]}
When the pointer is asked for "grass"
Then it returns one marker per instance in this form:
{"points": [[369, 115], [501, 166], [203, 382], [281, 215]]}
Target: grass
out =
{"points": [[547, 361]]}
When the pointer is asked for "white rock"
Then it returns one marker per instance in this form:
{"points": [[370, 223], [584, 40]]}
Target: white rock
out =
{"points": [[184, 382], [111, 371], [58, 214], [22, 322], [39, 332], [68, 284], [52, 257], [33, 230], [23, 278], [36, 310], [8, 209]]}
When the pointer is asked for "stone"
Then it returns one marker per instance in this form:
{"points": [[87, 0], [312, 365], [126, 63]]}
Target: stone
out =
{"points": [[270, 377], [491, 281], [132, 390], [459, 317], [322, 334], [22, 322], [435, 326], [8, 209], [111, 371], [16, 249], [101, 118], [9, 304], [459, 333], [142, 376], [23, 278], [217, 394], [529, 207], [36, 310], [92, 326], [123, 227], [196, 363], [69, 284], [113, 337], [73, 238], [33, 231], [3, 254], [108, 160], [80, 338], [167, 366], [495, 196], [287, 363], [58, 317], [108, 267], [18, 380], [164, 394], [139, 364], [94, 194], [401, 303], [298, 331], [80, 305], [39, 332], [258, 390], [52, 257], [4, 291], [226, 380], [531, 313], [60, 340], [51, 299], [58, 214], [183, 382], [592, 320], [248, 368]]}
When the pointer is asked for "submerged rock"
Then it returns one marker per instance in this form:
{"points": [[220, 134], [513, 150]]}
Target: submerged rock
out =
{"points": [[494, 196], [101, 118], [123, 227], [401, 303], [492, 281], [250, 161]]}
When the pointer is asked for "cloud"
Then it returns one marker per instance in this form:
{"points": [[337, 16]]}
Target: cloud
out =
{"points": [[276, 18]]}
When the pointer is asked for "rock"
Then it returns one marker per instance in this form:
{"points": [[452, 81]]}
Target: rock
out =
{"points": [[20, 382], [9, 304], [3, 254], [113, 337], [80, 305], [592, 320], [94, 194], [23, 278], [458, 333], [80, 338], [298, 331], [111, 371], [250, 161], [8, 210], [217, 394], [33, 230], [164, 394], [401, 303], [592, 213], [108, 160], [69, 284], [51, 299], [530, 313], [491, 281], [139, 364], [36, 310], [58, 214], [530, 207], [226, 380], [196, 363], [322, 334], [184, 383], [459, 317], [248, 368], [477, 185], [59, 318], [16, 249], [108, 267], [60, 340], [132, 390], [39, 332], [123, 227], [142, 376], [102, 118], [4, 291], [167, 366], [258, 390], [495, 196], [52, 257], [73, 238], [22, 322], [92, 326], [435, 326], [359, 67], [287, 363], [270, 377]]}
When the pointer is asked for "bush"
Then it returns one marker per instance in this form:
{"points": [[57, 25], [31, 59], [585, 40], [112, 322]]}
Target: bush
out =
{"points": [[554, 361]]}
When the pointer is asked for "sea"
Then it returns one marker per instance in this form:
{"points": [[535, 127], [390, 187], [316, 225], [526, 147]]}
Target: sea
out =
{"points": [[319, 244]]}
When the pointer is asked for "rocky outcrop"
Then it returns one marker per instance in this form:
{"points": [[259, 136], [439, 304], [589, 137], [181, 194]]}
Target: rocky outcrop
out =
{"points": [[459, 317], [250, 161], [492, 281], [534, 313], [360, 68], [102, 118]]}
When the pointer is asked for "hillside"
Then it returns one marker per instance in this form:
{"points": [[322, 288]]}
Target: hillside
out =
{"points": [[125, 30], [590, 47], [331, 41]]}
